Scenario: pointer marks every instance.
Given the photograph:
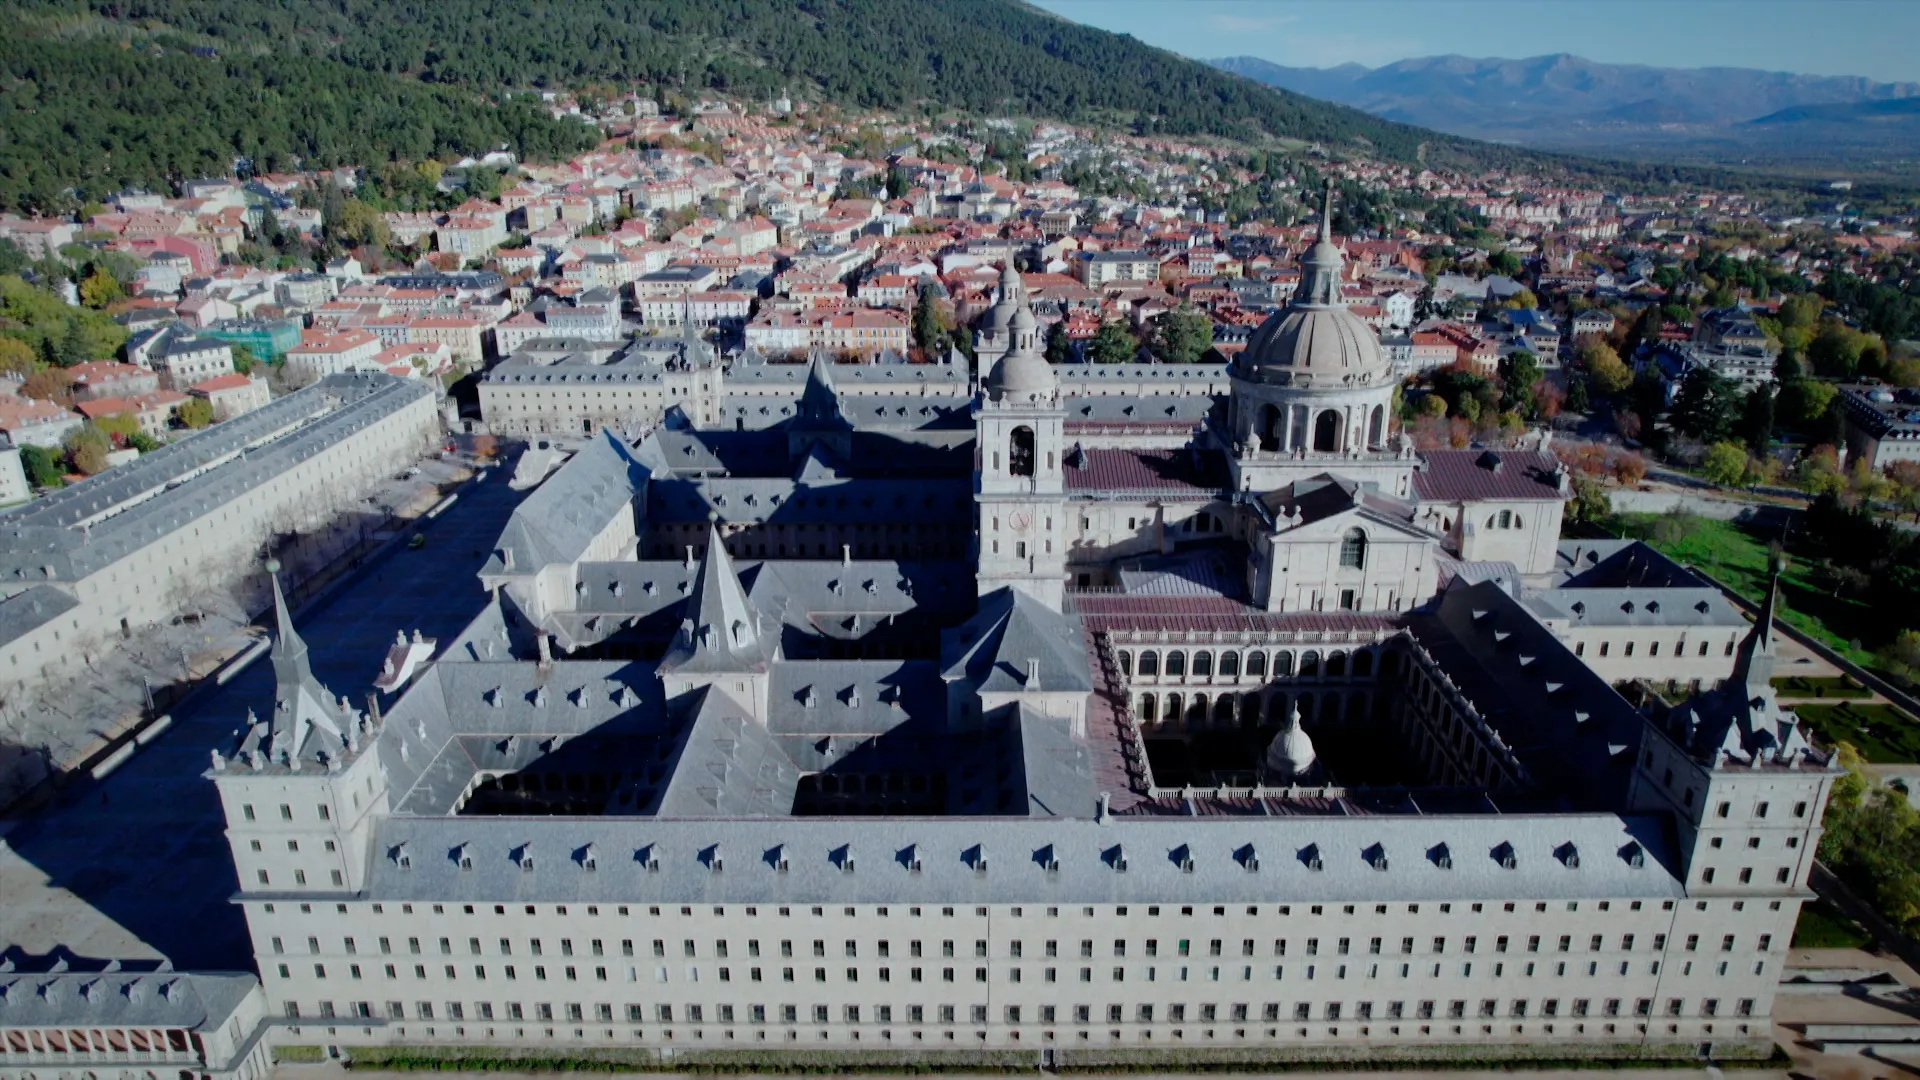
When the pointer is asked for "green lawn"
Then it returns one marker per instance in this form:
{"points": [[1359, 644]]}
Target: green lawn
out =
{"points": [[1821, 927], [1738, 559], [1811, 686], [1882, 734]]}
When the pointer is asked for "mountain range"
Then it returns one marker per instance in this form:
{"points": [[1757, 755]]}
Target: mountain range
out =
{"points": [[1569, 103]]}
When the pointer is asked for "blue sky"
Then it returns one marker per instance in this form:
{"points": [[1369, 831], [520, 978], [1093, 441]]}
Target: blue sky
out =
{"points": [[1871, 38]]}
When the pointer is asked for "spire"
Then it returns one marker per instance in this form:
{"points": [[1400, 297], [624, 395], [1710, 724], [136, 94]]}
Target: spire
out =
{"points": [[1323, 262], [289, 650], [721, 628], [303, 709], [819, 401], [1753, 665]]}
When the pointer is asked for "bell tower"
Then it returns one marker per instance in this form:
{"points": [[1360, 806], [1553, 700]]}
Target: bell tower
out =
{"points": [[1019, 489]]}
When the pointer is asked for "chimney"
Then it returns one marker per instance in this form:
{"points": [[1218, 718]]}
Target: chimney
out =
{"points": [[1103, 812], [846, 555], [1033, 673]]}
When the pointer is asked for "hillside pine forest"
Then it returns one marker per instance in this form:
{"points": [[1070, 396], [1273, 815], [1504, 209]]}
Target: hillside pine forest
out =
{"points": [[105, 94]]}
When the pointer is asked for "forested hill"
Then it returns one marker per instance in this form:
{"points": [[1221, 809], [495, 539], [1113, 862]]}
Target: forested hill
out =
{"points": [[82, 118], [983, 56]]}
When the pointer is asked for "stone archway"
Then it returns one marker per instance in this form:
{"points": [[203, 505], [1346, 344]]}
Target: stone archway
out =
{"points": [[1326, 430], [1267, 428]]}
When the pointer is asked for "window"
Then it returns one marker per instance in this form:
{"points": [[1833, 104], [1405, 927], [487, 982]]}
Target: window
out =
{"points": [[1353, 549]]}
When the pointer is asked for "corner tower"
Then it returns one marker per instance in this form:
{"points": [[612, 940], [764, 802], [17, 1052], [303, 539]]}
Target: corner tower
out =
{"points": [[1019, 490]]}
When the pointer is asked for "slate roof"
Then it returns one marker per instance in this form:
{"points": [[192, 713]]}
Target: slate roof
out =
{"points": [[1189, 473], [1011, 630], [1485, 475], [1575, 736], [642, 860], [151, 999], [561, 517], [720, 629], [78, 530]]}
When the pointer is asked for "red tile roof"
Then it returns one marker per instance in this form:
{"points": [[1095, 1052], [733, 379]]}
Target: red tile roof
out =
{"points": [[1471, 475], [1144, 470]]}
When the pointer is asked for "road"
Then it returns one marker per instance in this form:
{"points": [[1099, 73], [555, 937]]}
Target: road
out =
{"points": [[137, 867]]}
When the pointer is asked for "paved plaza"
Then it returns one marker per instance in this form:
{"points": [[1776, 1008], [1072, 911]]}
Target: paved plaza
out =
{"points": [[137, 866]]}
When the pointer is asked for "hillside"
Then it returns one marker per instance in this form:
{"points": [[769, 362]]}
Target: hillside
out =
{"points": [[370, 80], [1564, 102]]}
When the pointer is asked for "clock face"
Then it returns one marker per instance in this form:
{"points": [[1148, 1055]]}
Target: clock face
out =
{"points": [[1020, 520]]}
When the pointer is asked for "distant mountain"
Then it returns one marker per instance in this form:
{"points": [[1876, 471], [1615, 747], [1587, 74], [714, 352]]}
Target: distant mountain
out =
{"points": [[1565, 102]]}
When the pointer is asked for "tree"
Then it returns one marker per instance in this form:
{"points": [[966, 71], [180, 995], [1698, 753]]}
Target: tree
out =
{"points": [[1185, 333], [1872, 841], [16, 356], [927, 331], [1818, 471], [42, 466], [49, 384], [1590, 502], [243, 359], [1706, 406], [195, 412], [1522, 300], [1725, 464], [1756, 419], [100, 289], [1059, 345], [1518, 372], [1804, 401], [1836, 350], [1607, 373], [1577, 398], [1113, 344], [87, 448]]}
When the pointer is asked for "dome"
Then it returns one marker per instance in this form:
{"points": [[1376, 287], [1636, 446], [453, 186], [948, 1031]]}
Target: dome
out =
{"points": [[1291, 758], [1011, 294], [1323, 342], [1022, 373], [1315, 337]]}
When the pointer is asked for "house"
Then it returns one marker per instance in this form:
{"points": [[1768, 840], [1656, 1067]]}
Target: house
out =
{"points": [[31, 422], [106, 378], [232, 394], [1593, 321], [321, 353], [154, 410], [1099, 267]]}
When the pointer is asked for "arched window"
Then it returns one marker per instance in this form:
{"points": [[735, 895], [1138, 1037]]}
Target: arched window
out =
{"points": [[1267, 428], [1326, 430], [1377, 428], [1353, 549], [1517, 523], [1491, 519], [1203, 664], [1197, 712], [1149, 664], [1223, 711], [1145, 713], [1256, 665], [1282, 664], [1172, 712], [1126, 663], [1309, 664], [1506, 519], [1176, 664], [1336, 665], [1020, 451], [1229, 665], [1277, 709]]}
